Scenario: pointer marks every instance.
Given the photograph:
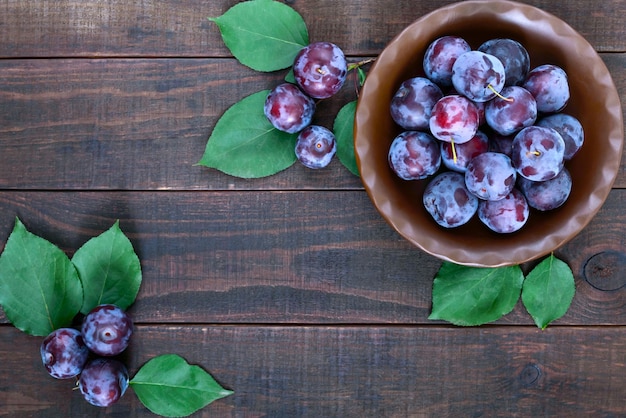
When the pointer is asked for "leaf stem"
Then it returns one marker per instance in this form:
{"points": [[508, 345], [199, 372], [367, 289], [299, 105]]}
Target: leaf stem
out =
{"points": [[356, 65]]}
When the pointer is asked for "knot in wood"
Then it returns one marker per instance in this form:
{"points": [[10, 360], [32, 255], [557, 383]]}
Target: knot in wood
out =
{"points": [[606, 271], [530, 375]]}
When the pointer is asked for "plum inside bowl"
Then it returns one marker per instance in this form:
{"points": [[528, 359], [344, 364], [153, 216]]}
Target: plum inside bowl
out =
{"points": [[594, 102]]}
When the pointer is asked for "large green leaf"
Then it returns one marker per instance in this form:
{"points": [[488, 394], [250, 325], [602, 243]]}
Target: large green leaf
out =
{"points": [[109, 270], [473, 296], [548, 291], [39, 287], [167, 385], [343, 128], [245, 144], [264, 35]]}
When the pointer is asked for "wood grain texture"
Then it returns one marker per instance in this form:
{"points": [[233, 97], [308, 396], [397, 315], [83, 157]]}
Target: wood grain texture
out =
{"points": [[172, 28], [143, 124], [358, 371], [133, 124], [290, 257]]}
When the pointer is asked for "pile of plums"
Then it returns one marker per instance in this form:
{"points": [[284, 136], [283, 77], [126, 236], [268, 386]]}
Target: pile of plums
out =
{"points": [[89, 354], [487, 131], [320, 70]]}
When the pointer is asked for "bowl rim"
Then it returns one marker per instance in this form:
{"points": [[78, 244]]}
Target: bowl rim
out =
{"points": [[526, 15]]}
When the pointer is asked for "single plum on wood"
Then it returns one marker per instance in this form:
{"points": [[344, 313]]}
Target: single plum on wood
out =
{"points": [[320, 69], [64, 353], [288, 109], [103, 381], [107, 330], [315, 147]]}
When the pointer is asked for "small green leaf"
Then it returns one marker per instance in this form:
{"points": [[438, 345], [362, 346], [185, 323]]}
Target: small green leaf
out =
{"points": [[548, 291], [474, 296], [245, 144], [167, 385], [39, 287], [109, 270], [362, 76], [343, 128], [264, 35], [290, 77]]}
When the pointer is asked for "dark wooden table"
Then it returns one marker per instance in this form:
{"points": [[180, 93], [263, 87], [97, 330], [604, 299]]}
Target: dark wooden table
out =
{"points": [[290, 290]]}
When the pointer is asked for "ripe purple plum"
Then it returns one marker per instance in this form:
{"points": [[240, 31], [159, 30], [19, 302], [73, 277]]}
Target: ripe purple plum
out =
{"points": [[505, 215], [320, 69], [512, 112], [490, 176], [107, 330], [514, 58], [103, 381], [64, 353], [414, 155], [570, 129], [538, 153], [549, 85], [549, 194], [455, 119], [440, 56], [315, 147], [448, 201], [412, 104], [478, 76], [457, 157], [288, 109]]}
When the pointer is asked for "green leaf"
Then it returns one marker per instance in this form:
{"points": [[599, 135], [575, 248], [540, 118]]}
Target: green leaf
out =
{"points": [[290, 77], [343, 128], [167, 385], [362, 76], [264, 35], [109, 270], [39, 287], [548, 291], [474, 296], [245, 144]]}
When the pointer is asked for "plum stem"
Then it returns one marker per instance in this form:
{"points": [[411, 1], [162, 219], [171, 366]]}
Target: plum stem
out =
{"points": [[453, 150], [508, 99], [360, 63]]}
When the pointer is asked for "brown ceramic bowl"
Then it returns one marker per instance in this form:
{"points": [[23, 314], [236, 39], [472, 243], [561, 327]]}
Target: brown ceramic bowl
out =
{"points": [[594, 101]]}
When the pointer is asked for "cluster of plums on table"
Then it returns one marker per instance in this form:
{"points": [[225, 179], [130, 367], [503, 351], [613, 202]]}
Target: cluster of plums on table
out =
{"points": [[320, 70], [89, 353], [487, 131]]}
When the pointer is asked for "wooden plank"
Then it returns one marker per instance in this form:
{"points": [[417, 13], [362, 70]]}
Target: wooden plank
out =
{"points": [[143, 124], [132, 124], [293, 257], [356, 371], [47, 28]]}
